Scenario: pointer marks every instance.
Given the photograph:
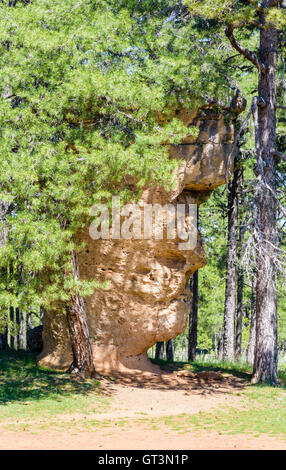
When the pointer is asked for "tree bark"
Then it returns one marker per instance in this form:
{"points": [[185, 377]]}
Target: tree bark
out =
{"points": [[4, 208], [17, 324], [159, 353], [266, 353], [193, 317], [12, 323], [230, 287], [169, 350], [29, 322], [215, 345], [240, 278], [4, 339], [79, 334], [252, 333], [239, 315], [21, 339]]}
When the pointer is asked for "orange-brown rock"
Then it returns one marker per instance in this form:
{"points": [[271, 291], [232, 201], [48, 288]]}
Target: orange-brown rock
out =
{"points": [[147, 298]]}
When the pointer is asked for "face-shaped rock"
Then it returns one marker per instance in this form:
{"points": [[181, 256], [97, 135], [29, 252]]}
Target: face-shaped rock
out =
{"points": [[147, 298]]}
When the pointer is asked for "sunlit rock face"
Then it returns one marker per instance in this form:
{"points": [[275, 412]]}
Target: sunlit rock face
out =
{"points": [[147, 298]]}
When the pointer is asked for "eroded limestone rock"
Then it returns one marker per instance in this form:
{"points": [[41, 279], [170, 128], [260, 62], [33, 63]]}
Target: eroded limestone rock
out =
{"points": [[147, 298]]}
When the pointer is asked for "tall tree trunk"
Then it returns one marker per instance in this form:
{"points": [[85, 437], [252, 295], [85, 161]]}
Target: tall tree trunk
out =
{"points": [[79, 334], [159, 353], [4, 208], [215, 345], [239, 314], [29, 322], [169, 350], [12, 323], [4, 339], [252, 333], [240, 277], [193, 317], [266, 354], [21, 339], [220, 351], [230, 287], [17, 325]]}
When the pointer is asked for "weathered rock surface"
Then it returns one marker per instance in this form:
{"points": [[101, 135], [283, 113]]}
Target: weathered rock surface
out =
{"points": [[147, 298]]}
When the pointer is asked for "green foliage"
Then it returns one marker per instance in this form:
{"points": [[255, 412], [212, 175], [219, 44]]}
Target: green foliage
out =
{"points": [[89, 93], [237, 12], [213, 226]]}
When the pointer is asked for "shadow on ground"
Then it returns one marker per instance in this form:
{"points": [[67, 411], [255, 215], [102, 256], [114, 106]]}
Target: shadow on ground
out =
{"points": [[199, 367], [22, 380], [191, 378]]}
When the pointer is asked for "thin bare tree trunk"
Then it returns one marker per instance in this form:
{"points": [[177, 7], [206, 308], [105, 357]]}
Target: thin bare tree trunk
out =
{"points": [[266, 353], [79, 334], [29, 323], [240, 277], [169, 350], [17, 324], [215, 345], [12, 323], [193, 317], [4, 208], [4, 339], [230, 286], [21, 340], [239, 315], [159, 354], [252, 333]]}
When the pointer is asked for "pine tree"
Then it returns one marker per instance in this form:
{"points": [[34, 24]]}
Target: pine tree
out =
{"points": [[159, 353], [169, 350], [267, 19], [193, 317], [240, 273], [228, 335], [90, 90]]}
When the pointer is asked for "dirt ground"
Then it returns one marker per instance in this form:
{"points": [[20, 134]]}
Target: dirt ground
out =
{"points": [[147, 396]]}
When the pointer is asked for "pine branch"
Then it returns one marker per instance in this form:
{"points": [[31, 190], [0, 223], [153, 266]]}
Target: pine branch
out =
{"points": [[249, 55], [260, 163], [279, 154], [237, 137]]}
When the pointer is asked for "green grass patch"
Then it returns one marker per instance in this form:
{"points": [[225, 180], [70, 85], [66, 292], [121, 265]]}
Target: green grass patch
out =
{"points": [[264, 407], [27, 390], [32, 398]]}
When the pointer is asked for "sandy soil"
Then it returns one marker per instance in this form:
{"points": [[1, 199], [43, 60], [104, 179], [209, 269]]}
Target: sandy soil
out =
{"points": [[148, 396], [137, 439]]}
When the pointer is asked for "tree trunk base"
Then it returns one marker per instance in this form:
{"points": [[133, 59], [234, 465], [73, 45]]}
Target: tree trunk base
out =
{"points": [[82, 374], [257, 378]]}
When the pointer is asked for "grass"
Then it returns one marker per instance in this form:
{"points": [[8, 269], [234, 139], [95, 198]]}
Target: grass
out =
{"points": [[28, 391], [264, 413], [264, 407], [32, 398]]}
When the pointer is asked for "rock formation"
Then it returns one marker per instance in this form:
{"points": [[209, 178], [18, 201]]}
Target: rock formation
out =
{"points": [[147, 297]]}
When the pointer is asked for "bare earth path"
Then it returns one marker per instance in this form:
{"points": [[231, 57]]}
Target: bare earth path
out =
{"points": [[135, 402]]}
